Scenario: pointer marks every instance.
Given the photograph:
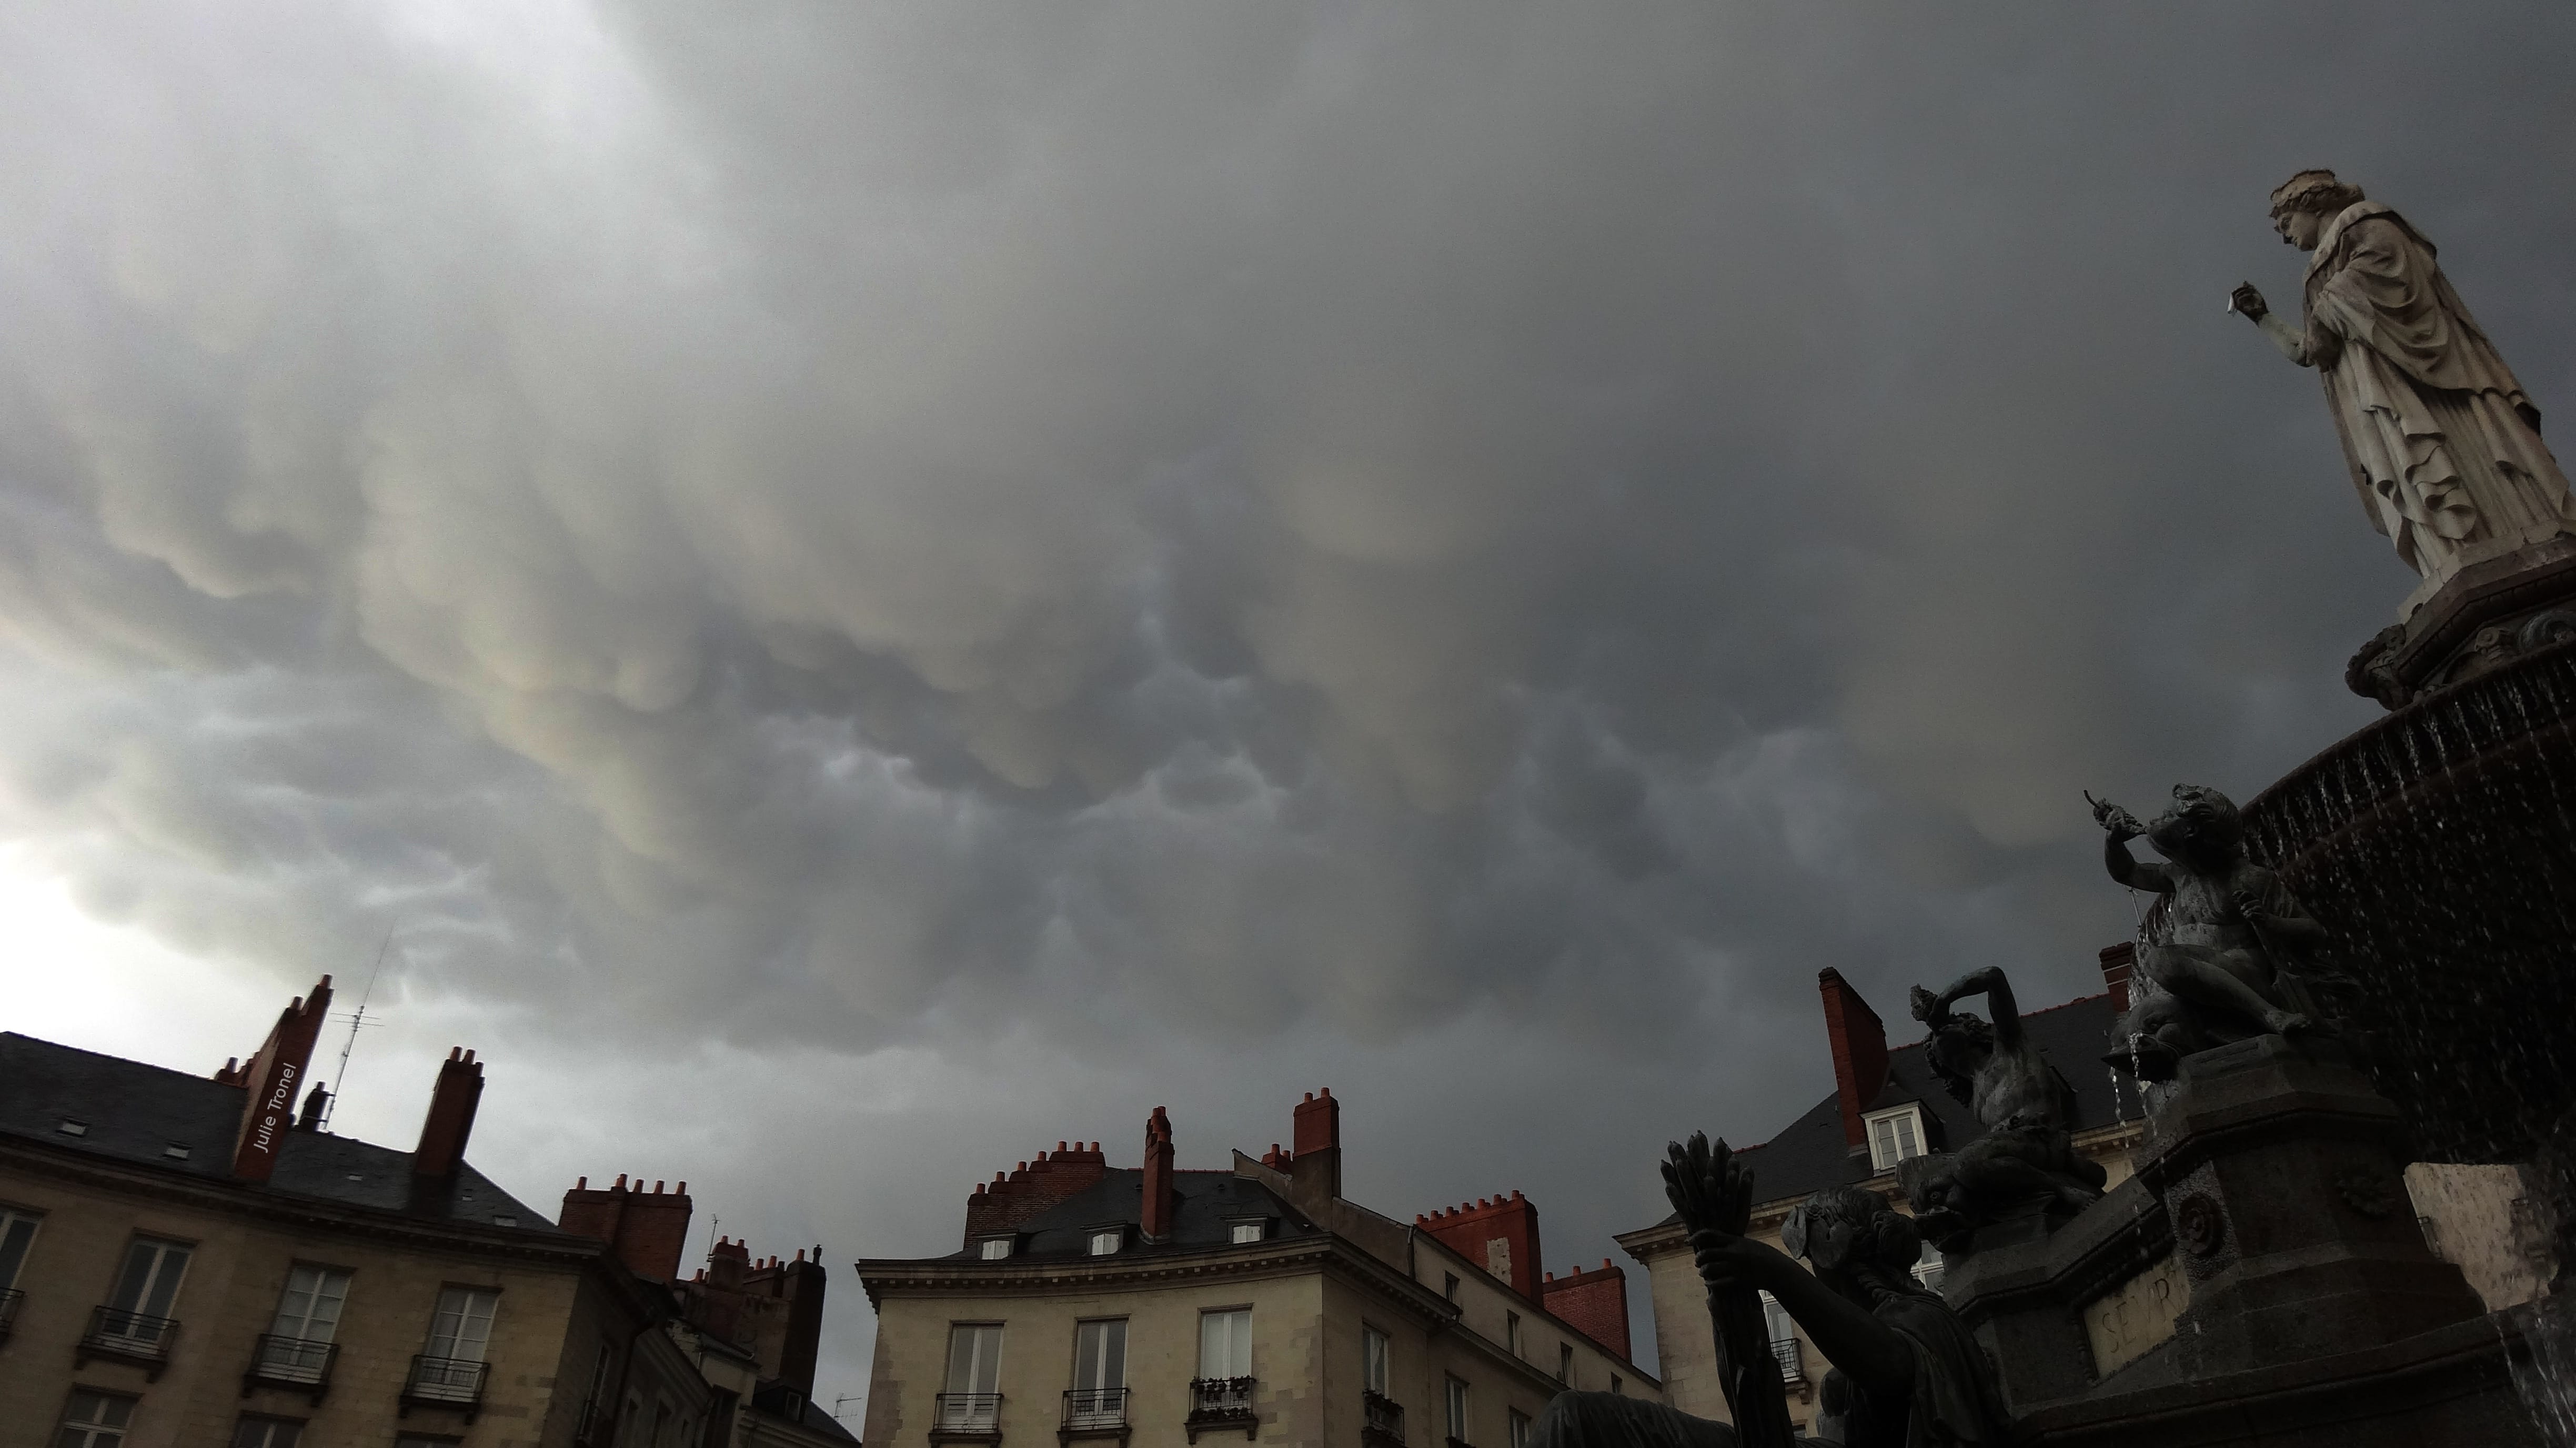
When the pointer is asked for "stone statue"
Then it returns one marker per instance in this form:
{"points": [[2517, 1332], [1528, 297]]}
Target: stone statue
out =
{"points": [[2235, 943], [2025, 1165], [2443, 443], [1906, 1370]]}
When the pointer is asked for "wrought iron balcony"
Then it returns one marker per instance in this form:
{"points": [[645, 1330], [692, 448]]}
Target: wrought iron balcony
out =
{"points": [[133, 1336], [290, 1362], [1793, 1366], [1381, 1420], [1095, 1410], [443, 1382], [9, 1301], [967, 1415], [1220, 1403]]}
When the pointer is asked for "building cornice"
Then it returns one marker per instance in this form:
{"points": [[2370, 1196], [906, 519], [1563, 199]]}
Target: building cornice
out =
{"points": [[1035, 1276], [224, 1198]]}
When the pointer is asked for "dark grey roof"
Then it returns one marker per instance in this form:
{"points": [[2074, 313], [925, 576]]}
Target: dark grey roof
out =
{"points": [[135, 1112], [1809, 1154], [1211, 1202]]}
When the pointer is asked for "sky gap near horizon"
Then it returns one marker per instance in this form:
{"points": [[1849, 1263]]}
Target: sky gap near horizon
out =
{"points": [[867, 589]]}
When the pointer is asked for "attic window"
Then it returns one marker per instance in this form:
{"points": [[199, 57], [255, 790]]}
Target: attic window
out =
{"points": [[69, 1127], [1894, 1135], [504, 1219], [175, 1152], [1108, 1241], [993, 1249], [1249, 1229]]}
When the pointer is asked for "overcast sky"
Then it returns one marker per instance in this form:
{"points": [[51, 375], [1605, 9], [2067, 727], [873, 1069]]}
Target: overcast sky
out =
{"points": [[863, 588]]}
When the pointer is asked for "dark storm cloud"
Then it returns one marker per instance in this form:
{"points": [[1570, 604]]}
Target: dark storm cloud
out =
{"points": [[1132, 527]]}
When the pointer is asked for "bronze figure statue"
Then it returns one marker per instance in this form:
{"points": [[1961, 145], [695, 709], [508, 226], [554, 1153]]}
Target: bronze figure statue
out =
{"points": [[2025, 1164]]}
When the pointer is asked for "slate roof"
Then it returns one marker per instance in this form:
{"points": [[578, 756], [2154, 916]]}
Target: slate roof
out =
{"points": [[1809, 1154], [135, 1112], [1210, 1203]]}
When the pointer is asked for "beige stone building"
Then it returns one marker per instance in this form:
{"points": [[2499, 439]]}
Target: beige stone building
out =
{"points": [[1887, 1105], [185, 1262], [1092, 1303]]}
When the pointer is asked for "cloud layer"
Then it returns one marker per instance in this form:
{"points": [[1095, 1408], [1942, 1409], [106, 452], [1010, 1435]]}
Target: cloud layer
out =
{"points": [[1159, 531]]}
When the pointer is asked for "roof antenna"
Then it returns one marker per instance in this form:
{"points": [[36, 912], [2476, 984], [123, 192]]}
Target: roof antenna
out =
{"points": [[331, 1102]]}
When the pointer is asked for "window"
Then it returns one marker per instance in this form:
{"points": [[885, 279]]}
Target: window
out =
{"points": [[94, 1420], [1565, 1363], [1225, 1343], [311, 1307], [1449, 1285], [69, 1127], [1520, 1429], [462, 1326], [1373, 1360], [1777, 1319], [175, 1151], [972, 1401], [994, 1249], [1616, 1387], [17, 1233], [1457, 1404], [1248, 1231], [1512, 1332], [1099, 1397], [1106, 1242], [1894, 1136], [253, 1432], [145, 1292], [1930, 1267]]}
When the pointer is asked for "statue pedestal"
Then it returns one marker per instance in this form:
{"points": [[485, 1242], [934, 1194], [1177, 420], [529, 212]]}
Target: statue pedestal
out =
{"points": [[2281, 1173], [2488, 613], [2261, 1280]]}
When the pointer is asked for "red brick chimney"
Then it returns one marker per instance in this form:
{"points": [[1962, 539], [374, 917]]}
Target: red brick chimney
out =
{"points": [[783, 1306], [719, 1292], [1499, 1234], [1859, 1044], [1157, 1214], [1014, 1197], [2117, 961], [450, 1123], [1316, 1144], [645, 1229], [1593, 1303], [272, 1080]]}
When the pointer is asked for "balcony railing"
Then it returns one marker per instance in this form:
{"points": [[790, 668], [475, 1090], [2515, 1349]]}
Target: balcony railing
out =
{"points": [[115, 1332], [967, 1415], [291, 1362], [1381, 1420], [1793, 1367], [1218, 1403], [444, 1382], [9, 1301], [1095, 1410]]}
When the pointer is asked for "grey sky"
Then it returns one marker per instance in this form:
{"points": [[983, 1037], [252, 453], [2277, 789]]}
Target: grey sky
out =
{"points": [[870, 587]]}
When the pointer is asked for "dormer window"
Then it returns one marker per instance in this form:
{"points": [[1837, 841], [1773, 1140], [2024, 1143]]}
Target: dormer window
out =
{"points": [[1894, 1135], [1249, 1229], [69, 1127], [993, 1249], [1107, 1241], [175, 1151]]}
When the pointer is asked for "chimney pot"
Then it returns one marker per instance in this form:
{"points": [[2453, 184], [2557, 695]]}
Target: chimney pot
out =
{"points": [[621, 1183]]}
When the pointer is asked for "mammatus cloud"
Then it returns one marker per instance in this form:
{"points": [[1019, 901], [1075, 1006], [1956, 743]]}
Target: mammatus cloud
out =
{"points": [[1148, 531]]}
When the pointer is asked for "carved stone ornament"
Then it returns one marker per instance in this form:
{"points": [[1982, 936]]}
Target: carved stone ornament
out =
{"points": [[2199, 1224]]}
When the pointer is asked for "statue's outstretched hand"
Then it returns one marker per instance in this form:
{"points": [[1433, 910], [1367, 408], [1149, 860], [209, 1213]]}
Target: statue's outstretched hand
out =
{"points": [[1925, 1005], [2121, 824], [2249, 301]]}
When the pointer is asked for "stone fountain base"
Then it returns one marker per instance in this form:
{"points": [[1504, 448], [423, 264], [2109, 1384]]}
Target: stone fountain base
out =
{"points": [[2261, 1280]]}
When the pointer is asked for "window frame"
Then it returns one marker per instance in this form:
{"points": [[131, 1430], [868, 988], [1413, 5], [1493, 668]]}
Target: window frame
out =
{"points": [[149, 1292], [1909, 1119], [1512, 1333], [1115, 1237], [1377, 1368], [11, 1269], [948, 1366], [1239, 1309], [1455, 1405], [1236, 1227], [1565, 1363], [1100, 1329], [277, 1318], [1449, 1288], [272, 1423], [1517, 1428], [95, 1427], [984, 1248], [483, 1345]]}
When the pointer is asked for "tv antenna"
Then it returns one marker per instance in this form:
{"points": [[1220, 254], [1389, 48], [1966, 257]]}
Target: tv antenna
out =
{"points": [[356, 1019]]}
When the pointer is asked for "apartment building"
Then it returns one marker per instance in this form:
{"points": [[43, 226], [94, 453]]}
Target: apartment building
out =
{"points": [[1886, 1106], [189, 1261], [1099, 1303]]}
